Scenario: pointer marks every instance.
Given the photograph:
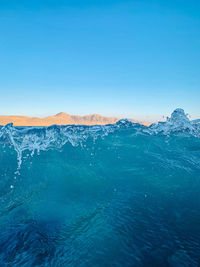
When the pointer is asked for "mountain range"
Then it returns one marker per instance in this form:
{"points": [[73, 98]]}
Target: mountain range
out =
{"points": [[59, 119]]}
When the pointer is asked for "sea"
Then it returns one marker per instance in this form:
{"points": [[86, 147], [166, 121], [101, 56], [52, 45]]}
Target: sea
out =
{"points": [[114, 195]]}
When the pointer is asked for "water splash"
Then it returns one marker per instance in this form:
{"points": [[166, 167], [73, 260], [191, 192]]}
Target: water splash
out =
{"points": [[178, 122]]}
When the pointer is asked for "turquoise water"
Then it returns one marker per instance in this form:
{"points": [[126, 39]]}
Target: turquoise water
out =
{"points": [[116, 195]]}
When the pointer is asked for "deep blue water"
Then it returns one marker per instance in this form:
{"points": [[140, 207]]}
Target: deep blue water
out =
{"points": [[99, 197]]}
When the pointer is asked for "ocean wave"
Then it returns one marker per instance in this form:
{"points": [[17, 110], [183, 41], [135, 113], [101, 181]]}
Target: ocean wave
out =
{"points": [[36, 139]]}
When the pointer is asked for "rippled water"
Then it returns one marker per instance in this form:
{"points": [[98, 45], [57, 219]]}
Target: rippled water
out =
{"points": [[116, 195]]}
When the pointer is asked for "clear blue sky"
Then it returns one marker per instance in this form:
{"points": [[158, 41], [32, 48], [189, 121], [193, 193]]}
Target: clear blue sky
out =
{"points": [[138, 59]]}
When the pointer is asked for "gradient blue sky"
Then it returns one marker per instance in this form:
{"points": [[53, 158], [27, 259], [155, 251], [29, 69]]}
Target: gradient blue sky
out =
{"points": [[137, 59]]}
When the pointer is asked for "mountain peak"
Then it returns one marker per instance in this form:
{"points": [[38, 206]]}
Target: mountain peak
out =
{"points": [[60, 114]]}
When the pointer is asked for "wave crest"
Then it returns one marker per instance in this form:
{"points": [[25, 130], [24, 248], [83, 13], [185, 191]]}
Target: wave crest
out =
{"points": [[54, 137]]}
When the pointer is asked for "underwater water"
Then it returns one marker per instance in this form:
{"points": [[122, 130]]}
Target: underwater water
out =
{"points": [[114, 195]]}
